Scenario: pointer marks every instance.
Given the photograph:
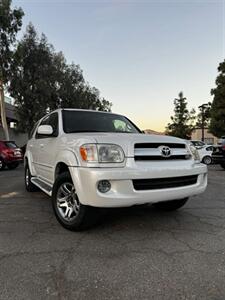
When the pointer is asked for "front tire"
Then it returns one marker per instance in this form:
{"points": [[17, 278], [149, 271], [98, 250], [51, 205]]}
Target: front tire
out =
{"points": [[170, 205], [207, 160], [68, 210]]}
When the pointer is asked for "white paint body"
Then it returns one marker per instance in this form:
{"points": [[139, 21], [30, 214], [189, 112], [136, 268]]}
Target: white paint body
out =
{"points": [[45, 154], [205, 152]]}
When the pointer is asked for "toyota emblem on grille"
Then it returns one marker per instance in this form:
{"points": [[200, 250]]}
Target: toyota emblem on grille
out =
{"points": [[165, 151]]}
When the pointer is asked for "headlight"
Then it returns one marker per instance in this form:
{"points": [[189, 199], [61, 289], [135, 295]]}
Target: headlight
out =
{"points": [[194, 153], [102, 153]]}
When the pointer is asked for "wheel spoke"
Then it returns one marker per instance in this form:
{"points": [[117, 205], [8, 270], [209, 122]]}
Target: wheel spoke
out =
{"points": [[70, 212], [65, 190], [64, 204], [66, 212], [63, 199], [76, 205]]}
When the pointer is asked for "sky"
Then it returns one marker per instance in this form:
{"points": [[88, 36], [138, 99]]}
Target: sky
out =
{"points": [[139, 54]]}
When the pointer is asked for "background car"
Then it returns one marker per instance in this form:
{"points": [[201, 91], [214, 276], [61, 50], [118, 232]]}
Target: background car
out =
{"points": [[221, 140], [205, 154], [218, 155], [10, 155], [197, 144]]}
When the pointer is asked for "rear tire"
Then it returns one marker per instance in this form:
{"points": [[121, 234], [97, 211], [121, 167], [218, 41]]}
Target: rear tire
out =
{"points": [[223, 165], [170, 205], [13, 165], [2, 164], [207, 160], [30, 187], [68, 210]]}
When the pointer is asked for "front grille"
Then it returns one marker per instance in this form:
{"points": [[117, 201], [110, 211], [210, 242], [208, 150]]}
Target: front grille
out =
{"points": [[164, 183], [156, 145], [153, 151]]}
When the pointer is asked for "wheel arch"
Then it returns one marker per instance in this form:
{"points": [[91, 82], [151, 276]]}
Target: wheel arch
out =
{"points": [[60, 168], [64, 160], [27, 161]]}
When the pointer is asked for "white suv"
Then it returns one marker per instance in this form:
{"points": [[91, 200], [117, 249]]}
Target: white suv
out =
{"points": [[86, 159]]}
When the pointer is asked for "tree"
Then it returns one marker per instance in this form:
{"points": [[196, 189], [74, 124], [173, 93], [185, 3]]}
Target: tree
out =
{"points": [[43, 81], [10, 24], [182, 121], [203, 117], [32, 82], [217, 124]]}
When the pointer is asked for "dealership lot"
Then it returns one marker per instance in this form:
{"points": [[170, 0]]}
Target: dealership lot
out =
{"points": [[134, 253]]}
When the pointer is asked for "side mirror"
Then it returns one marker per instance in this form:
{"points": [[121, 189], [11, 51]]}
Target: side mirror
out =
{"points": [[45, 130]]}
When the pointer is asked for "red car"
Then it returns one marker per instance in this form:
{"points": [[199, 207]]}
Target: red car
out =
{"points": [[10, 155]]}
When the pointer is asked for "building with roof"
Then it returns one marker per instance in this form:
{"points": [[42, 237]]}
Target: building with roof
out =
{"points": [[209, 138], [12, 120]]}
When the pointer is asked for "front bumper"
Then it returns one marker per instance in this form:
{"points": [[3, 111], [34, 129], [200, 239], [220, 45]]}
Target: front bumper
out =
{"points": [[122, 192]]}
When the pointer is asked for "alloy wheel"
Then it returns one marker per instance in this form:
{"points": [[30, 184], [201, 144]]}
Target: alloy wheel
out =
{"points": [[68, 204], [207, 160]]}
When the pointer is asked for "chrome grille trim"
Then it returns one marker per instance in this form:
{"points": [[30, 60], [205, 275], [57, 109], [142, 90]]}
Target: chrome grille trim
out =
{"points": [[151, 151]]}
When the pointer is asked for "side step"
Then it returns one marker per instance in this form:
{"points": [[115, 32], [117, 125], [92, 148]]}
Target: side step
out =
{"points": [[45, 187]]}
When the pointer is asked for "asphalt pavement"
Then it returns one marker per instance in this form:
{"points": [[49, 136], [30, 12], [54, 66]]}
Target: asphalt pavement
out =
{"points": [[133, 253]]}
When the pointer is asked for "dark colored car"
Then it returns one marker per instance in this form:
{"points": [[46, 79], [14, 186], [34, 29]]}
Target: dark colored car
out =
{"points": [[10, 155], [218, 155]]}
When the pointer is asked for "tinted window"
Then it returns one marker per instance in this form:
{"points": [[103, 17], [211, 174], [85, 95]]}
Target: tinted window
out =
{"points": [[52, 120], [88, 121], [198, 143], [210, 148], [10, 145]]}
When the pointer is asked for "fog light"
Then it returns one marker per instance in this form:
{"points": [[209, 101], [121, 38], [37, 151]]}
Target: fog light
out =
{"points": [[104, 186]]}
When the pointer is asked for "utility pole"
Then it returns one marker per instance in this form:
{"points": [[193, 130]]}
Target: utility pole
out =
{"points": [[202, 109], [2, 112]]}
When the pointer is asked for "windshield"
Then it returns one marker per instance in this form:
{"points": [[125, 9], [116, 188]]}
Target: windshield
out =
{"points": [[198, 143], [89, 121]]}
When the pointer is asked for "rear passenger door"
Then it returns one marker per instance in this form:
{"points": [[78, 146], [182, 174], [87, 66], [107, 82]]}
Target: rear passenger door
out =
{"points": [[47, 146]]}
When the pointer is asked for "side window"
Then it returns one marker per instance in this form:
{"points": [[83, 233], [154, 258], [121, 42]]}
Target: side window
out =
{"points": [[210, 148], [52, 120]]}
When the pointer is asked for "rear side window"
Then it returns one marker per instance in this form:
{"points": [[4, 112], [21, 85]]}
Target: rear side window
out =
{"points": [[52, 120]]}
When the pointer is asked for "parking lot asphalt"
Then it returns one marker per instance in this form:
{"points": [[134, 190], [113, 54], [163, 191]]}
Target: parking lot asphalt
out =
{"points": [[134, 253]]}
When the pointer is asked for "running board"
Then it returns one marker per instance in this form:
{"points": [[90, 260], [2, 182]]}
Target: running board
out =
{"points": [[45, 187]]}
